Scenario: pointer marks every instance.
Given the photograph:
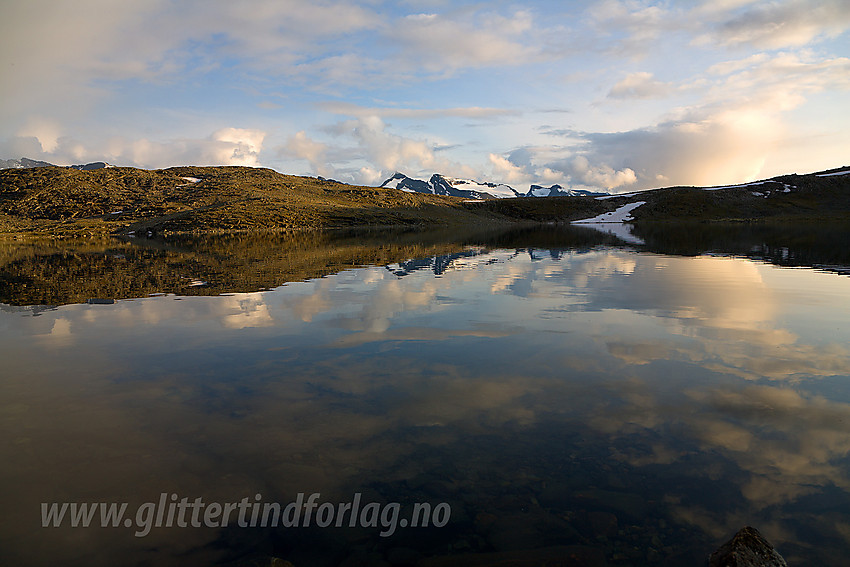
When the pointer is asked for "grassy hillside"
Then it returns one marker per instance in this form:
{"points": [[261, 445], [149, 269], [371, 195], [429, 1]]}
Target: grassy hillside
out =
{"points": [[59, 201], [54, 201]]}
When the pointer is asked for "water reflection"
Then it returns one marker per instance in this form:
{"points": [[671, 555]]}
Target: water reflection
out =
{"points": [[636, 407]]}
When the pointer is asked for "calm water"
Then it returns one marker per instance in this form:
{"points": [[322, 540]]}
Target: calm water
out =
{"points": [[564, 393]]}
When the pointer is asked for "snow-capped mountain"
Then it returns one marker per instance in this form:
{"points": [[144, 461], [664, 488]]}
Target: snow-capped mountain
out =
{"points": [[91, 166], [27, 162], [559, 191], [442, 185], [22, 163], [453, 185]]}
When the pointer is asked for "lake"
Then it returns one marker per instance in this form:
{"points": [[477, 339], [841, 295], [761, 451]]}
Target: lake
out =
{"points": [[533, 395]]}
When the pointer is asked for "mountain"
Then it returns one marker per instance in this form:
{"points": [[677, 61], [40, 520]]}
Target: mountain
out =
{"points": [[91, 166], [442, 185], [559, 191], [27, 162], [22, 163]]}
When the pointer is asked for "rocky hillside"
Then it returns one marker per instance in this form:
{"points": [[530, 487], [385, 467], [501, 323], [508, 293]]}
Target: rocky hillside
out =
{"points": [[55, 201], [62, 201]]}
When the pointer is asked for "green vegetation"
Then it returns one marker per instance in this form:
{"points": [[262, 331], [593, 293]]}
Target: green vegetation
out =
{"points": [[62, 202]]}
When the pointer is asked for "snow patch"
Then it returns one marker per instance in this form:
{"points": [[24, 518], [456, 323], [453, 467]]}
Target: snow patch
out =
{"points": [[191, 179], [622, 214], [753, 184], [845, 172], [501, 190], [603, 197]]}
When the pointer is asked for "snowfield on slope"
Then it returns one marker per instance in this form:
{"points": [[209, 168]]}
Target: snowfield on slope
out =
{"points": [[622, 214], [501, 190]]}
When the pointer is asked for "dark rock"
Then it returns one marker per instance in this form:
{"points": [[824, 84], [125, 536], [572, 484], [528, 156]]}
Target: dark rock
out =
{"points": [[746, 549]]}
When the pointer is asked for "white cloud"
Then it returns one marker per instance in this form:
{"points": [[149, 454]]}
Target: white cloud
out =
{"points": [[639, 85], [445, 43], [599, 175], [508, 172], [368, 141], [629, 28], [725, 137], [776, 25], [350, 109], [633, 28], [238, 146], [46, 132], [78, 48], [227, 146], [302, 147]]}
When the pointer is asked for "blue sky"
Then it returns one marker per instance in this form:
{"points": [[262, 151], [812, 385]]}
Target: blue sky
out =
{"points": [[616, 95]]}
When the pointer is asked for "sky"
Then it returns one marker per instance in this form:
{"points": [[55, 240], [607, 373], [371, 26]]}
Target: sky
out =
{"points": [[617, 95]]}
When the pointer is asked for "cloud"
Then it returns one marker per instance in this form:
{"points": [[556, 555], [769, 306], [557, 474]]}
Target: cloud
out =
{"points": [[628, 28], [700, 151], [79, 49], [45, 132], [371, 153], [725, 137], [599, 175], [445, 43], [639, 85], [226, 146], [777, 25], [507, 171], [239, 146], [530, 164], [634, 28], [350, 109]]}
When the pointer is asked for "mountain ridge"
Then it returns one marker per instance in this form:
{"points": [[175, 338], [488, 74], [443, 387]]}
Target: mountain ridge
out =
{"points": [[24, 163], [439, 184]]}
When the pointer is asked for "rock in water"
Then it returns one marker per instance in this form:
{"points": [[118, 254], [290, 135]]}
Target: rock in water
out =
{"points": [[747, 549]]}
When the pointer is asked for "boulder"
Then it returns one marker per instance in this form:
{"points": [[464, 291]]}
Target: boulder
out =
{"points": [[747, 548]]}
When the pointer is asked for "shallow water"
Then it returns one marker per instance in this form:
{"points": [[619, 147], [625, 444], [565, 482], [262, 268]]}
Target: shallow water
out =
{"points": [[636, 403]]}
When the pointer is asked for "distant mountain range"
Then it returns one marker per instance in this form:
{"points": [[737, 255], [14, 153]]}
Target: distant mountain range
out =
{"points": [[27, 162], [455, 187]]}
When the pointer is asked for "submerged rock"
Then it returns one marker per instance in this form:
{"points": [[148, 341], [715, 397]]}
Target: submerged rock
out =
{"points": [[747, 548]]}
